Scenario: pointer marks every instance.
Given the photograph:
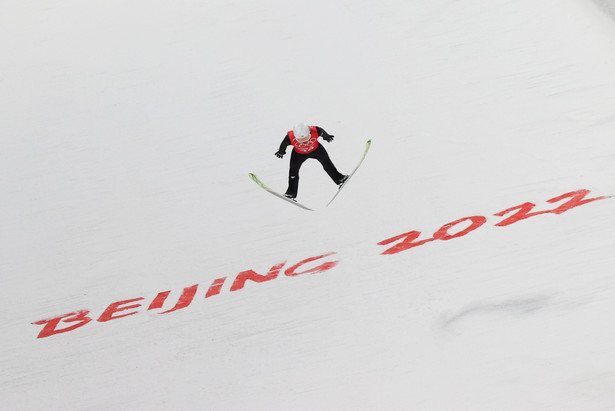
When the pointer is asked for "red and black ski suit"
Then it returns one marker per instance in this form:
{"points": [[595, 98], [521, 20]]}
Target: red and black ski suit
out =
{"points": [[303, 151]]}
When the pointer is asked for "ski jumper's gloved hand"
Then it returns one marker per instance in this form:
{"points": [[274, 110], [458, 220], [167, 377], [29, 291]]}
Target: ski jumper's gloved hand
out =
{"points": [[328, 137], [279, 154]]}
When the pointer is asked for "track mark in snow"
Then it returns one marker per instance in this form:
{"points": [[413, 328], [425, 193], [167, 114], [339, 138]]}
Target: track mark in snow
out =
{"points": [[512, 307]]}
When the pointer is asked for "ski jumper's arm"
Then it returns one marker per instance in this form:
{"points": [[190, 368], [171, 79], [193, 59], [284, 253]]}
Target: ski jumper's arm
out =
{"points": [[283, 146], [325, 136]]}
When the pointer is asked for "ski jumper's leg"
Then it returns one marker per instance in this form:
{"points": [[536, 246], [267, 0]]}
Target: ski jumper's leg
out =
{"points": [[296, 160], [321, 155]]}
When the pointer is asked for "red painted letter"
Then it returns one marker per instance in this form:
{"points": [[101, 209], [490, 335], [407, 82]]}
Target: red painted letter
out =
{"points": [[577, 199], [407, 243], [243, 276], [158, 302], [215, 287], [292, 271], [185, 299], [117, 307], [51, 325], [442, 233], [522, 214]]}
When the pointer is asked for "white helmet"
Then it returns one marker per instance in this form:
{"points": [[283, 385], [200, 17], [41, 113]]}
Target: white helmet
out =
{"points": [[302, 132]]}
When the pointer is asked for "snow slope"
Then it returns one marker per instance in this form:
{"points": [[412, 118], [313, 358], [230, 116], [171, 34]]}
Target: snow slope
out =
{"points": [[132, 235]]}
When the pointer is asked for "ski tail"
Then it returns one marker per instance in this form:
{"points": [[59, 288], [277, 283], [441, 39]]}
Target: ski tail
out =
{"points": [[368, 144], [275, 193]]}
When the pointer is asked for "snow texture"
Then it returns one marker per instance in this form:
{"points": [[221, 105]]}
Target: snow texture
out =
{"points": [[608, 6], [128, 130]]}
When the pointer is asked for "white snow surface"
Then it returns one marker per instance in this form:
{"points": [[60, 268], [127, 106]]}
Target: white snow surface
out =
{"points": [[128, 130]]}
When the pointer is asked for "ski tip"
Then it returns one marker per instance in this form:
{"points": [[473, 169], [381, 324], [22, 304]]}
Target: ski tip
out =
{"points": [[254, 178]]}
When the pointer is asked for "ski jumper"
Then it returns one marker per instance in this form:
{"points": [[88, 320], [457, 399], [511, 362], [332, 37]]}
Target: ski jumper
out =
{"points": [[303, 151]]}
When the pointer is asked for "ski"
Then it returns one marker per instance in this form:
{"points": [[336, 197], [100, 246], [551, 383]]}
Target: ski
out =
{"points": [[264, 187], [367, 146]]}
